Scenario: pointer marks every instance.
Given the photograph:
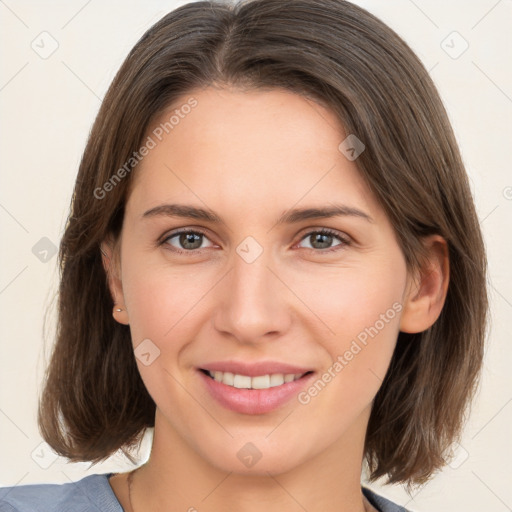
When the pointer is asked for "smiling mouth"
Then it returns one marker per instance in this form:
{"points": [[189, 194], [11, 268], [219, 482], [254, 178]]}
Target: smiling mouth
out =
{"points": [[267, 381]]}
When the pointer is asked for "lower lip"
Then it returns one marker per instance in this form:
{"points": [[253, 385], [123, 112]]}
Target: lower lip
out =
{"points": [[254, 401]]}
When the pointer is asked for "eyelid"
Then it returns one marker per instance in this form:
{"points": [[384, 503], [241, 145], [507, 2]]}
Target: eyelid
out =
{"points": [[177, 231], [324, 229]]}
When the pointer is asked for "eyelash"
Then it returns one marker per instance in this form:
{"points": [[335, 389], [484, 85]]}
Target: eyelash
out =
{"points": [[345, 241]]}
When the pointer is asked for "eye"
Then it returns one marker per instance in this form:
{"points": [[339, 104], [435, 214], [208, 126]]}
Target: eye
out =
{"points": [[186, 241], [190, 242], [322, 240]]}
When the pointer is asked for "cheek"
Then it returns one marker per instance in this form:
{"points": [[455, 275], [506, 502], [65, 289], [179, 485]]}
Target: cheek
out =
{"points": [[159, 298], [368, 309], [161, 304], [342, 302], [151, 301], [363, 311]]}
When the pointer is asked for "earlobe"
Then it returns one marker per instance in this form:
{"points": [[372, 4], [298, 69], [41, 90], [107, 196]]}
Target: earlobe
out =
{"points": [[111, 265], [120, 315], [426, 293]]}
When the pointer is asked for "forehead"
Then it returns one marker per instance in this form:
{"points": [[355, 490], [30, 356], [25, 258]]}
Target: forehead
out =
{"points": [[248, 150]]}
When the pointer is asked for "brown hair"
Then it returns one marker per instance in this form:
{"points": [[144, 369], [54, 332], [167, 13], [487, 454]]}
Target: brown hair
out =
{"points": [[94, 401]]}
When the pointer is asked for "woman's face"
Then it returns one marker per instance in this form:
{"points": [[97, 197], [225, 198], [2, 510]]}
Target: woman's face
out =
{"points": [[260, 291]]}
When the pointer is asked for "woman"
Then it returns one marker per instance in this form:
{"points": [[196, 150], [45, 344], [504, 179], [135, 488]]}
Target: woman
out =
{"points": [[272, 258]]}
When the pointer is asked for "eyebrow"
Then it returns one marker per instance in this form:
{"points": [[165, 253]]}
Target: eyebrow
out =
{"points": [[288, 217]]}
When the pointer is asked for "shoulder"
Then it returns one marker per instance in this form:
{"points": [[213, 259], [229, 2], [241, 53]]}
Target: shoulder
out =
{"points": [[382, 504], [90, 494]]}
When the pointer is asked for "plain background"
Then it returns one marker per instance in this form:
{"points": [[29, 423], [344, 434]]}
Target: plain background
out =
{"points": [[48, 103]]}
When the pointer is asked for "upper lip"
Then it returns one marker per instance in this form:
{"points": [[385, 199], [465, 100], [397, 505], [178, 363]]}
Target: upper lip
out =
{"points": [[255, 369]]}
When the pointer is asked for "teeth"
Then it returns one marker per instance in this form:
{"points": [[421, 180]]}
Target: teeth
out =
{"points": [[242, 381], [259, 382]]}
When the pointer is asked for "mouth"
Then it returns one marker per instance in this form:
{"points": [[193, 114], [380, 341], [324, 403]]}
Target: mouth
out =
{"points": [[267, 381], [253, 394]]}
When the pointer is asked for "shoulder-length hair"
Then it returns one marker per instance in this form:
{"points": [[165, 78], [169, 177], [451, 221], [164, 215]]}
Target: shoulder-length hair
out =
{"points": [[94, 401]]}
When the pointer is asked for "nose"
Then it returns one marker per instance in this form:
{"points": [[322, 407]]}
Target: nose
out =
{"points": [[251, 304]]}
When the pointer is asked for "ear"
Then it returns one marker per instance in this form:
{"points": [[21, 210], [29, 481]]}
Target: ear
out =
{"points": [[426, 291], [112, 266]]}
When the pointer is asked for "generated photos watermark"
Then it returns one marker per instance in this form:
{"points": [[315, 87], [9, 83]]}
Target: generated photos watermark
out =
{"points": [[151, 142], [356, 346]]}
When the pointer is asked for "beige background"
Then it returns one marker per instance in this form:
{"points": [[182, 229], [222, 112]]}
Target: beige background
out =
{"points": [[47, 108]]}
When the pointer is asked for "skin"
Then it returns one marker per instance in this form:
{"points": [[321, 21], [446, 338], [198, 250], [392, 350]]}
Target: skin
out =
{"points": [[250, 156]]}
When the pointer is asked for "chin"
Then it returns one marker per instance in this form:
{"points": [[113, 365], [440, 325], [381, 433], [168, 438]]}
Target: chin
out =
{"points": [[256, 458]]}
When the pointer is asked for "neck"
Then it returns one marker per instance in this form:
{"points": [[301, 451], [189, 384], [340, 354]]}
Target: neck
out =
{"points": [[177, 478]]}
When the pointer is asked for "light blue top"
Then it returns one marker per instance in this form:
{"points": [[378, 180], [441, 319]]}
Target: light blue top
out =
{"points": [[94, 494]]}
